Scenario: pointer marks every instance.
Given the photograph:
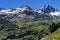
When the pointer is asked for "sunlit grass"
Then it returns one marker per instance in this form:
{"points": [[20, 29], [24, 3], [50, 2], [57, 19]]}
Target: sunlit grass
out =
{"points": [[53, 36]]}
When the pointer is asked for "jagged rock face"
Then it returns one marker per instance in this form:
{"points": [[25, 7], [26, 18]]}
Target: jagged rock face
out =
{"points": [[46, 16], [26, 6], [47, 9], [46, 12]]}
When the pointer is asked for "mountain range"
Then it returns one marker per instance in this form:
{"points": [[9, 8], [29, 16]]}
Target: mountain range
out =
{"points": [[25, 23], [45, 12]]}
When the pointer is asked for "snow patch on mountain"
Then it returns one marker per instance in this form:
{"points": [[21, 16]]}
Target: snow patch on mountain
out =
{"points": [[47, 12], [56, 13]]}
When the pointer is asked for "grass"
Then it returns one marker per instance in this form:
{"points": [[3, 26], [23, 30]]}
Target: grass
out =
{"points": [[53, 36]]}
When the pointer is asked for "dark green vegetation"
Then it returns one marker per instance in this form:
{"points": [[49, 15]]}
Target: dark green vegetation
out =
{"points": [[55, 35], [26, 29]]}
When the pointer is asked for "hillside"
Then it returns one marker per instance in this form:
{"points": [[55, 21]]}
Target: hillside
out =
{"points": [[53, 36], [54, 30], [24, 23], [6, 28]]}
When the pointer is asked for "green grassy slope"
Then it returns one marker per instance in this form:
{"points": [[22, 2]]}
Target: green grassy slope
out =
{"points": [[53, 36]]}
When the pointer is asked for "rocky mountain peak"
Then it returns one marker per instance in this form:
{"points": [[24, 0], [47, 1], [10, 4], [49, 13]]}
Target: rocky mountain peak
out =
{"points": [[26, 7], [48, 9]]}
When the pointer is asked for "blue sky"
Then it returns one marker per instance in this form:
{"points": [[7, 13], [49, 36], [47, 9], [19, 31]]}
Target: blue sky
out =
{"points": [[35, 4]]}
